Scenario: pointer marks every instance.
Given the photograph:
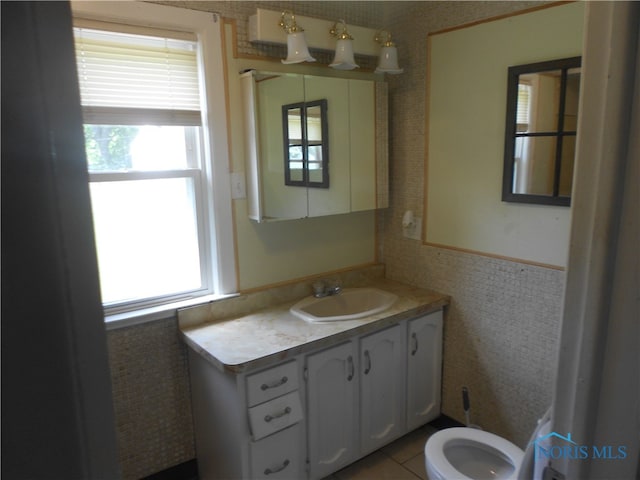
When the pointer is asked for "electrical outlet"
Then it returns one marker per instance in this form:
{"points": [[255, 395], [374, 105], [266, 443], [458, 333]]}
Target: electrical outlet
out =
{"points": [[413, 231]]}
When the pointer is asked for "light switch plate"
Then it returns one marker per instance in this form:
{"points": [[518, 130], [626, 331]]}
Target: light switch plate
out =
{"points": [[238, 185]]}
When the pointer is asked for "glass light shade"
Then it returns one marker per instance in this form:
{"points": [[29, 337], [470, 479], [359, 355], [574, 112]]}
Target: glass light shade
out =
{"points": [[297, 50], [388, 61], [343, 59]]}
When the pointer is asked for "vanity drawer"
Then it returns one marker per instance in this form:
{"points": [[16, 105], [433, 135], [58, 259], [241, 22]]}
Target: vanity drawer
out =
{"points": [[272, 383], [279, 456], [275, 415]]}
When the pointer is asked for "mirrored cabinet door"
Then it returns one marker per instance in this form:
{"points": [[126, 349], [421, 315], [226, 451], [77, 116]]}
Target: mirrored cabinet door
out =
{"points": [[272, 92], [362, 128]]}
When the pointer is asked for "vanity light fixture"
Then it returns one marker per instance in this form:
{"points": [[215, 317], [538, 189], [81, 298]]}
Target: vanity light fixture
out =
{"points": [[343, 59], [266, 26], [388, 60], [297, 49]]}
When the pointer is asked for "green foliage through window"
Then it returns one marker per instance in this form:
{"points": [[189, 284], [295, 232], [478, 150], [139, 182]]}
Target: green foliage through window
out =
{"points": [[108, 147]]}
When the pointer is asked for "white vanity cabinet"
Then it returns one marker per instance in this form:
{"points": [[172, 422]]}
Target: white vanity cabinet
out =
{"points": [[365, 393], [321, 409]]}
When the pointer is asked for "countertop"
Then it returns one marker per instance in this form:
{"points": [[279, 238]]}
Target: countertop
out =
{"points": [[273, 334]]}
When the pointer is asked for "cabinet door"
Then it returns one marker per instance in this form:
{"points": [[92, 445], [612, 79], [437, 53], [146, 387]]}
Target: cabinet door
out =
{"points": [[362, 126], [332, 409], [424, 369], [382, 389], [279, 201]]}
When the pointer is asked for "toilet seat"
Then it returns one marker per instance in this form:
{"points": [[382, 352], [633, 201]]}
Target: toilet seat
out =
{"points": [[463, 436]]}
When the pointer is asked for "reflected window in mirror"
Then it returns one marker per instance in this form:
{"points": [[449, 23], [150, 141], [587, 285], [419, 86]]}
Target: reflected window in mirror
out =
{"points": [[541, 126], [306, 144]]}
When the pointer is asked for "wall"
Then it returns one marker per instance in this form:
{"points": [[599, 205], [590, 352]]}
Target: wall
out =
{"points": [[501, 329]]}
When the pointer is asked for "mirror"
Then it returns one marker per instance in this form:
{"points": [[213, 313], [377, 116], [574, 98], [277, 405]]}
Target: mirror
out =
{"points": [[314, 145], [306, 149], [540, 137]]}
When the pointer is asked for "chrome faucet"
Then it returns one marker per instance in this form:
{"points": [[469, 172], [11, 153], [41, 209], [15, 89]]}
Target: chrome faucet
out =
{"points": [[321, 289]]}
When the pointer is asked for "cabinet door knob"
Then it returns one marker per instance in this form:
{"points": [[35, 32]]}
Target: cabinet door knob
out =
{"points": [[351, 368], [367, 358], [275, 384], [284, 465], [286, 411], [414, 337]]}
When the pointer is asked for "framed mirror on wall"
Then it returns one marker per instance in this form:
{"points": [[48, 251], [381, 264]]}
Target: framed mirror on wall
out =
{"points": [[540, 136]]}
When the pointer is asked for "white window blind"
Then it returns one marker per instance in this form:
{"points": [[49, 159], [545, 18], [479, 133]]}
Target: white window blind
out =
{"points": [[137, 77]]}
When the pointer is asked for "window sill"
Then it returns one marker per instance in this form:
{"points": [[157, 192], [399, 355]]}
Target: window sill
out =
{"points": [[160, 312]]}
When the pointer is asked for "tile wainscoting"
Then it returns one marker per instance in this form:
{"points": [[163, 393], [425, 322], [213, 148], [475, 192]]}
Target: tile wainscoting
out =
{"points": [[151, 397], [500, 336]]}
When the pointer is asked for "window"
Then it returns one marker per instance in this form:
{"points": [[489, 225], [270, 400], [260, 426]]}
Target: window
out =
{"points": [[152, 178]]}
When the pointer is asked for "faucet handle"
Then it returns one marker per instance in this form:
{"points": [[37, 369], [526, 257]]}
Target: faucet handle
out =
{"points": [[318, 288]]}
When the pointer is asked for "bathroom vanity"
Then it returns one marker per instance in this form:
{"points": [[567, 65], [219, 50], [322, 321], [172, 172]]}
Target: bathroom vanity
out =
{"points": [[277, 397]]}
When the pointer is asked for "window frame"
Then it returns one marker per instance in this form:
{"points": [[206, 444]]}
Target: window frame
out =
{"points": [[215, 185]]}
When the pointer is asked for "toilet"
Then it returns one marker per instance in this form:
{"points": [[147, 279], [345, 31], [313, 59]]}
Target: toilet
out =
{"points": [[464, 453]]}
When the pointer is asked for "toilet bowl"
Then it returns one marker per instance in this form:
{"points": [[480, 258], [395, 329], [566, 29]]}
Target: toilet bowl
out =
{"points": [[463, 453]]}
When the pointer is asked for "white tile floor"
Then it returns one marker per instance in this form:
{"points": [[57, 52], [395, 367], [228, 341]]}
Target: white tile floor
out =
{"points": [[400, 460]]}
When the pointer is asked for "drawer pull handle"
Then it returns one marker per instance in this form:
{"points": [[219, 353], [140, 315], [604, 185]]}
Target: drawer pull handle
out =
{"points": [[367, 357], [284, 465], [275, 384], [414, 337], [286, 411], [351, 368]]}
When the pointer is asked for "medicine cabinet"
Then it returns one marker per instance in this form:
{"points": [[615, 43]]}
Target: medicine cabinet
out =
{"points": [[314, 145]]}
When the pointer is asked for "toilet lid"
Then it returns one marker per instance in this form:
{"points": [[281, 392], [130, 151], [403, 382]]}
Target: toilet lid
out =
{"points": [[434, 449]]}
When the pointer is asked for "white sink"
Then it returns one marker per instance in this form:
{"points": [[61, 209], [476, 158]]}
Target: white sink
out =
{"points": [[349, 304]]}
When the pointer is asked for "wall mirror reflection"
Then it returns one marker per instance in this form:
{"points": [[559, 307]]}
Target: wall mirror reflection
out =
{"points": [[306, 149], [540, 137]]}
